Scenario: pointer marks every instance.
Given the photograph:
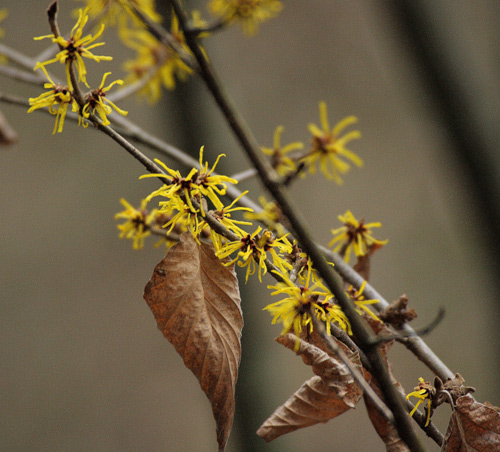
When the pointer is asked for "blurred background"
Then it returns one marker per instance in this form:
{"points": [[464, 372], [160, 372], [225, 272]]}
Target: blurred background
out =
{"points": [[84, 367]]}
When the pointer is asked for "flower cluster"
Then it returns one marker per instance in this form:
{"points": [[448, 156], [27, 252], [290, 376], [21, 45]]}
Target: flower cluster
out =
{"points": [[255, 249], [360, 301], [283, 164], [186, 196], [60, 97], [137, 224], [328, 148], [95, 102], [307, 299], [355, 235], [249, 13], [73, 49], [223, 215]]}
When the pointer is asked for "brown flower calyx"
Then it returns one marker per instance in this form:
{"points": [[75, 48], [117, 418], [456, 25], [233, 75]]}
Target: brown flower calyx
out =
{"points": [[398, 313], [450, 390]]}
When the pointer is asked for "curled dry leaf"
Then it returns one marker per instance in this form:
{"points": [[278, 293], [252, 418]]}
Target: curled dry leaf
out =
{"points": [[473, 427], [327, 395], [195, 300]]}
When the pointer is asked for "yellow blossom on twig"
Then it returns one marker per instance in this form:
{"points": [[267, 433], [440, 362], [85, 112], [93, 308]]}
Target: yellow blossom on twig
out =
{"points": [[209, 184], [74, 48], [114, 12], [328, 147], [95, 102], [57, 99], [422, 392], [282, 164], [361, 302], [137, 222], [354, 235], [223, 215], [199, 185], [249, 13], [303, 301], [248, 253]]}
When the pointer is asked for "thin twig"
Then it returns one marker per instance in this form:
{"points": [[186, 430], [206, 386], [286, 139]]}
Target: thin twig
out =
{"points": [[245, 174], [17, 57], [21, 75], [402, 337]]}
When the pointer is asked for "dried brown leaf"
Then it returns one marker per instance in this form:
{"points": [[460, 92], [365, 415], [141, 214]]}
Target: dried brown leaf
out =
{"points": [[314, 402], [473, 426], [329, 367], [195, 300], [327, 395]]}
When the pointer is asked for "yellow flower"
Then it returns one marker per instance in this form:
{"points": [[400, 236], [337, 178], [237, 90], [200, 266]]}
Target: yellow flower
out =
{"points": [[76, 47], [249, 13], [328, 147], [279, 161], [176, 187], [137, 222], [268, 243], [294, 311], [156, 60], [422, 391], [117, 11], [95, 102], [223, 215], [210, 184], [57, 99], [198, 185], [182, 216], [329, 312], [361, 302], [356, 235], [248, 253]]}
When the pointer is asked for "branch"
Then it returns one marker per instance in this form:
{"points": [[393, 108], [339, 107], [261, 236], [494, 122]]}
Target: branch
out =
{"points": [[298, 224]]}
